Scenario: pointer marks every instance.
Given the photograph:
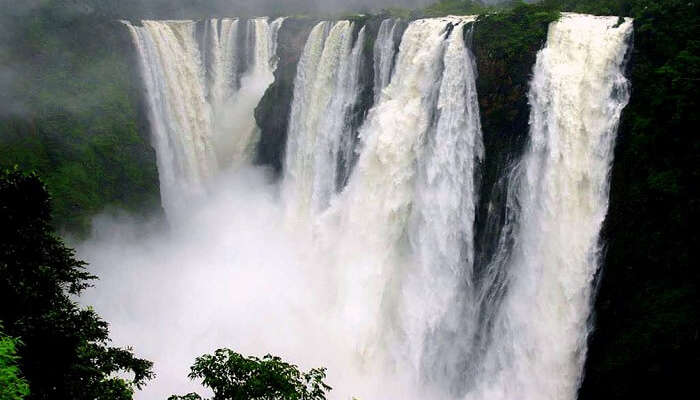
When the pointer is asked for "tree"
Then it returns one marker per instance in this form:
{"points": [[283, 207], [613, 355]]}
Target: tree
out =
{"points": [[232, 376], [65, 353], [12, 385]]}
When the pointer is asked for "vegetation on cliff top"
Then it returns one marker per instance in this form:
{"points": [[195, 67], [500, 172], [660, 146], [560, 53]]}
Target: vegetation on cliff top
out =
{"points": [[456, 7]]}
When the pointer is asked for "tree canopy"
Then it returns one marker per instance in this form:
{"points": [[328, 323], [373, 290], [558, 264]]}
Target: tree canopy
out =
{"points": [[232, 376], [65, 354], [12, 385]]}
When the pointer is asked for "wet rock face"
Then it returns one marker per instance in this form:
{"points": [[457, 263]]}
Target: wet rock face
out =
{"points": [[272, 113], [502, 84]]}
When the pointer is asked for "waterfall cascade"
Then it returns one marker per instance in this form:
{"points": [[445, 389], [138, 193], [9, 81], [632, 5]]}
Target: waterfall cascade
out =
{"points": [[201, 95], [384, 54], [223, 44], [423, 107], [178, 109], [318, 140], [576, 96], [387, 212]]}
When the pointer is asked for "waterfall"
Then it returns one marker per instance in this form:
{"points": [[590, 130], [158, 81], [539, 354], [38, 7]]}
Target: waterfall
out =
{"points": [[239, 115], [384, 54], [223, 40], [326, 88], [275, 27], [180, 115], [399, 256], [441, 227], [200, 101], [380, 209], [576, 96]]}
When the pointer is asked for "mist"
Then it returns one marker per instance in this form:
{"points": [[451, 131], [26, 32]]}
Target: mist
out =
{"points": [[226, 273]]}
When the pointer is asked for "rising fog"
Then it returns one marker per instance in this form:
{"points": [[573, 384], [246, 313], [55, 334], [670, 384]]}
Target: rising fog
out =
{"points": [[226, 273]]}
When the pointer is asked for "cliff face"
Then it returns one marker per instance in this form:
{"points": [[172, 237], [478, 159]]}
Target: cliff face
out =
{"points": [[505, 48]]}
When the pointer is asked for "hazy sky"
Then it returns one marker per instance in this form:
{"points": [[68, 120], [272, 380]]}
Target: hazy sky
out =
{"points": [[15, 7], [153, 8]]}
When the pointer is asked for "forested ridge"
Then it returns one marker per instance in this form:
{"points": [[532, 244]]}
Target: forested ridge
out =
{"points": [[71, 110]]}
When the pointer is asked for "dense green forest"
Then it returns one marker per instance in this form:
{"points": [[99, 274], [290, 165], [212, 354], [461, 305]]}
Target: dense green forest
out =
{"points": [[233, 376], [70, 109], [12, 385], [63, 349]]}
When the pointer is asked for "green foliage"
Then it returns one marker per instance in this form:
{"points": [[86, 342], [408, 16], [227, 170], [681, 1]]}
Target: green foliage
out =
{"points": [[232, 376], [77, 119], [396, 12], [12, 385], [505, 45], [455, 7], [595, 7], [65, 353], [512, 33]]}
